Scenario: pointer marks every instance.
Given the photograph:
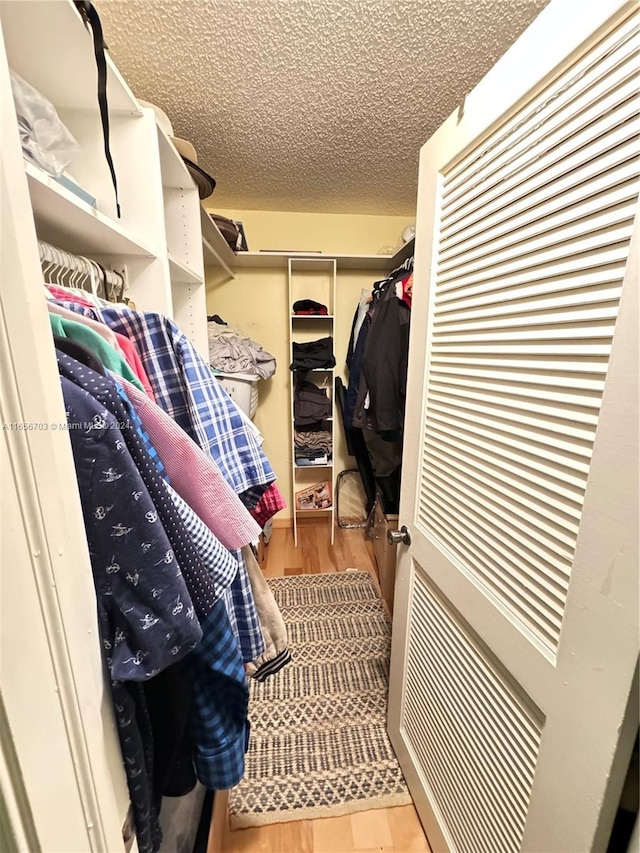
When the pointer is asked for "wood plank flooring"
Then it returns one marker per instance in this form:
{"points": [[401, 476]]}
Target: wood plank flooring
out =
{"points": [[396, 830]]}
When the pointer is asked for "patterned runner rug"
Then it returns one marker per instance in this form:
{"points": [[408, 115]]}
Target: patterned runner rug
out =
{"points": [[319, 745]]}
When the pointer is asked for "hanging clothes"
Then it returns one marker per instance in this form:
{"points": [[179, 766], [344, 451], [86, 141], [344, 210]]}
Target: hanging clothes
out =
{"points": [[141, 633], [382, 389], [373, 404], [195, 475], [185, 388], [183, 607], [108, 355]]}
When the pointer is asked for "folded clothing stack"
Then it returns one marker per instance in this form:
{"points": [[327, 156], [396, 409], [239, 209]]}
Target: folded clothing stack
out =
{"points": [[311, 405], [308, 306], [312, 447], [313, 355]]}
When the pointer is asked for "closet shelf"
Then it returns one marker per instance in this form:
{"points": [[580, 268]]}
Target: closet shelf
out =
{"points": [[175, 174], [249, 260], [311, 467], [65, 220], [181, 272], [37, 31], [215, 248], [312, 316], [217, 252]]}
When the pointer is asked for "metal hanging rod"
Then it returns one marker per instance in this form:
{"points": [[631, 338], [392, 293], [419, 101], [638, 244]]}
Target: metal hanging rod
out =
{"points": [[68, 270]]}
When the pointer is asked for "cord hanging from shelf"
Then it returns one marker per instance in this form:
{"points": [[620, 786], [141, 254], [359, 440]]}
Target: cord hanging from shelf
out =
{"points": [[66, 270]]}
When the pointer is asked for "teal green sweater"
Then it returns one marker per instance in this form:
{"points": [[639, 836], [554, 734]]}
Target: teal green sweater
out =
{"points": [[82, 334]]}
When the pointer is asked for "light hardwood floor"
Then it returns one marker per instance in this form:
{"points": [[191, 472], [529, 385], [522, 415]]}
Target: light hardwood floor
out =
{"points": [[395, 830]]}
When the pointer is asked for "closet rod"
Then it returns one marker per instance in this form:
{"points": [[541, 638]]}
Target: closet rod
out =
{"points": [[78, 263]]}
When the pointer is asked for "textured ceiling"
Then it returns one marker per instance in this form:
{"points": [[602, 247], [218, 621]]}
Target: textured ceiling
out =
{"points": [[310, 105]]}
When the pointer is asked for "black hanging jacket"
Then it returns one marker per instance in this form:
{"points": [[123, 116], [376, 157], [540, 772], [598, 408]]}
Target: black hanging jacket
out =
{"points": [[384, 367]]}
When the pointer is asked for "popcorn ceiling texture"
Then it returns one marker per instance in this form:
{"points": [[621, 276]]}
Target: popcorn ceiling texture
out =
{"points": [[310, 105]]}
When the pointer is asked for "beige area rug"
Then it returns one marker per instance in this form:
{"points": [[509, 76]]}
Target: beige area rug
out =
{"points": [[319, 745]]}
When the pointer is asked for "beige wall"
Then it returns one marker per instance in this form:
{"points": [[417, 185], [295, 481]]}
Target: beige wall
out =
{"points": [[343, 234], [256, 302]]}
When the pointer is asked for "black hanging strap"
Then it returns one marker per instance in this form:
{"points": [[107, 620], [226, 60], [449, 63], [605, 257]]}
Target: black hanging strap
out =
{"points": [[91, 17]]}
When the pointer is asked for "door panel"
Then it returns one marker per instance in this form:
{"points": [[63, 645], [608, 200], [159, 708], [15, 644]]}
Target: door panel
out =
{"points": [[513, 657], [470, 726]]}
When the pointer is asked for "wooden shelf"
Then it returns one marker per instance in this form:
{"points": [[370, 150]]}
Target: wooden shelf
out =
{"points": [[181, 272], [65, 220]]}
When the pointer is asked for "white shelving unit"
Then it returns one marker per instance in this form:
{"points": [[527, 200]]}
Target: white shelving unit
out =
{"points": [[312, 278], [218, 253], [158, 241]]}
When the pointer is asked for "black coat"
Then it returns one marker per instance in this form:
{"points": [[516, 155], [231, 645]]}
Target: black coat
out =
{"points": [[384, 366]]}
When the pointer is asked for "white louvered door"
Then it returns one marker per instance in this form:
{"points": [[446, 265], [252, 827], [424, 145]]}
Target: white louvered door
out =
{"points": [[515, 639]]}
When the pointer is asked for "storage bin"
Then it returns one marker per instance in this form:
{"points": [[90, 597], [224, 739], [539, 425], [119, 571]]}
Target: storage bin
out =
{"points": [[242, 388]]}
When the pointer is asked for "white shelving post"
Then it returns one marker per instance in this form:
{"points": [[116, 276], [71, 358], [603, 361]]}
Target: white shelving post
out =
{"points": [[312, 278]]}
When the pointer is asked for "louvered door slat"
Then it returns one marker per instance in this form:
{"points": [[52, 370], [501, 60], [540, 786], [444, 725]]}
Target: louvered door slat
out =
{"points": [[565, 227], [494, 423], [553, 537], [528, 387], [511, 463], [561, 195], [608, 134], [548, 105], [538, 453], [504, 427], [559, 213], [498, 550], [547, 276], [599, 110], [541, 623], [515, 567], [498, 830], [583, 297], [513, 503], [571, 284], [566, 421], [491, 446], [522, 541], [462, 701], [514, 374], [588, 244], [534, 236], [496, 553], [501, 713], [616, 148], [487, 765]]}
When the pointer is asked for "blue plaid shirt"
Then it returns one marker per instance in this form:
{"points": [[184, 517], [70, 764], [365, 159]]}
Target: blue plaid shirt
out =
{"points": [[243, 615], [219, 723], [186, 389]]}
